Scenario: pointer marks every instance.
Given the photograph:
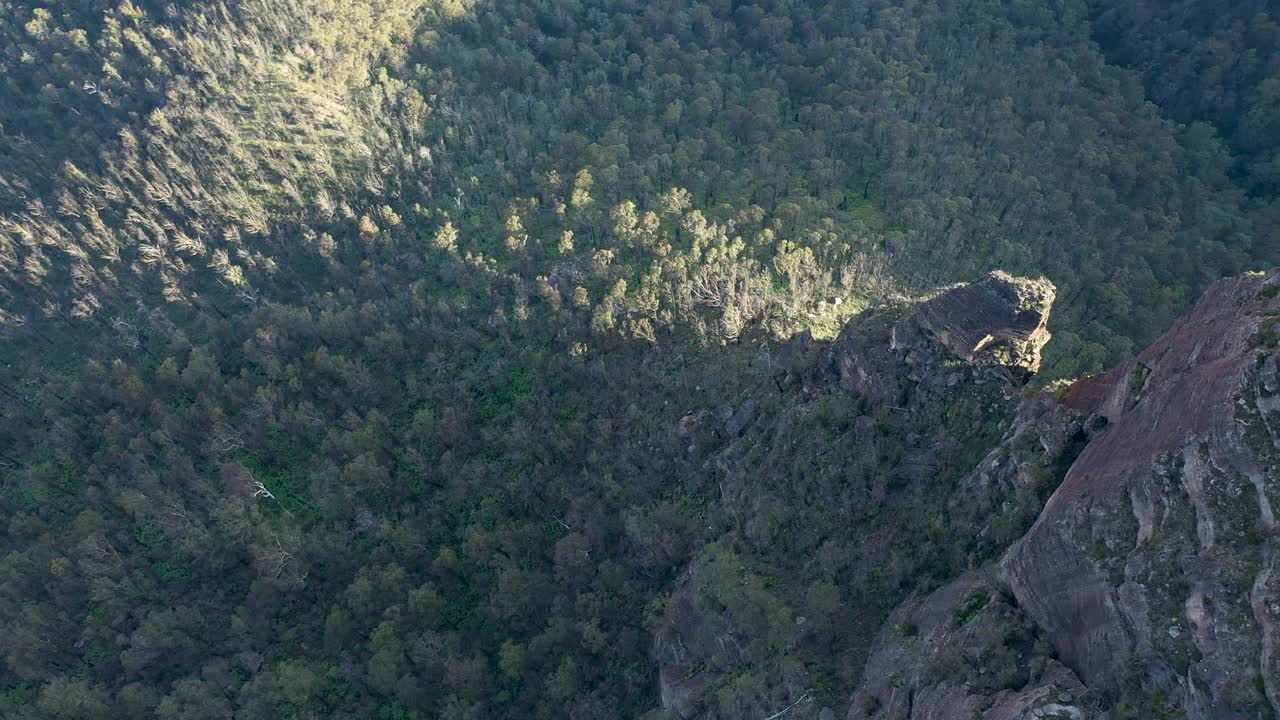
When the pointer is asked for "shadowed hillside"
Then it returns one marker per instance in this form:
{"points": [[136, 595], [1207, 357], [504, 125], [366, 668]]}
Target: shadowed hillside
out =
{"points": [[591, 359]]}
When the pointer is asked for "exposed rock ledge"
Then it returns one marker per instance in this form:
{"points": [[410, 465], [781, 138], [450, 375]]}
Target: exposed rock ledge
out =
{"points": [[1151, 571], [997, 323], [1000, 319]]}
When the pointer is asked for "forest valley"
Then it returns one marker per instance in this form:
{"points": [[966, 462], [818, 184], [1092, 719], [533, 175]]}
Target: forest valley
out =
{"points": [[611, 359]]}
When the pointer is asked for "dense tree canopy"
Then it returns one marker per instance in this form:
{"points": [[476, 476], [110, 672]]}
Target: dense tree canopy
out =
{"points": [[345, 343]]}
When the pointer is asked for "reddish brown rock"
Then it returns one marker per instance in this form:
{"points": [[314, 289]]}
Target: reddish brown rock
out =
{"points": [[1151, 566], [1152, 571]]}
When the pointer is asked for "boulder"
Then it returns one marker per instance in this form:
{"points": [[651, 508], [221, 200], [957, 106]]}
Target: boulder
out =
{"points": [[249, 661], [742, 418], [1001, 319], [965, 332]]}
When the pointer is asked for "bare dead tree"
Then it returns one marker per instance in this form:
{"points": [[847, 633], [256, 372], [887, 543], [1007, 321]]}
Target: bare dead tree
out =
{"points": [[282, 559], [805, 697], [127, 333], [248, 296], [227, 439]]}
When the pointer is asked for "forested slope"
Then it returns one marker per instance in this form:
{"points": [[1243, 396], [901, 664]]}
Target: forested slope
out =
{"points": [[346, 344], [1217, 65]]}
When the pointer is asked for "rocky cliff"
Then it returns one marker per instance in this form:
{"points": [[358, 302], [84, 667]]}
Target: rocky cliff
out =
{"points": [[1147, 585], [1151, 567], [836, 450], [1120, 532]]}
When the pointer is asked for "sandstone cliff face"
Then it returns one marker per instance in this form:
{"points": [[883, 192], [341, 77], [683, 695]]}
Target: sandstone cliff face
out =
{"points": [[1153, 567], [1150, 574]]}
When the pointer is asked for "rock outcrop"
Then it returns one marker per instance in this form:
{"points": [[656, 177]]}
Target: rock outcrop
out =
{"points": [[694, 652], [1153, 566], [925, 404], [1151, 572], [999, 322], [1001, 498], [962, 652], [700, 649], [1124, 528], [1000, 319]]}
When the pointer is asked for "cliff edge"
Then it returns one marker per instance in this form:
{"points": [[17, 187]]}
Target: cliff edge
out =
{"points": [[1148, 584]]}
